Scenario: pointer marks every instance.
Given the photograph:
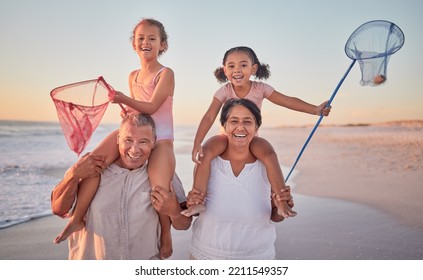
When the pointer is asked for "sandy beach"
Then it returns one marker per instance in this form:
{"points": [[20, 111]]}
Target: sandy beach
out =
{"points": [[379, 165], [358, 192]]}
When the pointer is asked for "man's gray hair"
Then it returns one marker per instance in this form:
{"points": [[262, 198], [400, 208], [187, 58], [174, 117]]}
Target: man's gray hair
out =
{"points": [[139, 119]]}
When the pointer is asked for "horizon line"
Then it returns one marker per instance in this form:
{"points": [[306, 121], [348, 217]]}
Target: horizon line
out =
{"points": [[415, 122]]}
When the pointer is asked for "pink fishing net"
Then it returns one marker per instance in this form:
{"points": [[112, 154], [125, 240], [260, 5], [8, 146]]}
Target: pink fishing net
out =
{"points": [[80, 108]]}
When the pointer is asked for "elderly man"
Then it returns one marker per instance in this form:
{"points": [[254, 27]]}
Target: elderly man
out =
{"points": [[122, 221]]}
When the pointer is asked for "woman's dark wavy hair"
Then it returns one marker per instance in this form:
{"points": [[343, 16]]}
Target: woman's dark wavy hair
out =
{"points": [[250, 105], [263, 71]]}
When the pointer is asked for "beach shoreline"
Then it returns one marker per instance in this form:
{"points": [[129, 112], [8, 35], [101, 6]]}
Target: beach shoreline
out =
{"points": [[377, 165], [357, 194]]}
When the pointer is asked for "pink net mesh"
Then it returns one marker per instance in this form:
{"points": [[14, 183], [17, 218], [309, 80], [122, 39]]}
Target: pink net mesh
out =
{"points": [[80, 108]]}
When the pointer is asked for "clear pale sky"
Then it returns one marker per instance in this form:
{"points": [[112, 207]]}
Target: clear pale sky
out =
{"points": [[48, 43]]}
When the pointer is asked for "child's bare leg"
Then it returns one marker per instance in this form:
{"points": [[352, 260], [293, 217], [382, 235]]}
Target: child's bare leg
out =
{"points": [[86, 192], [214, 147], [264, 151], [161, 168], [88, 187]]}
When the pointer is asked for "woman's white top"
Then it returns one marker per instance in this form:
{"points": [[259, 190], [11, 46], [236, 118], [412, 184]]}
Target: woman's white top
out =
{"points": [[236, 223]]}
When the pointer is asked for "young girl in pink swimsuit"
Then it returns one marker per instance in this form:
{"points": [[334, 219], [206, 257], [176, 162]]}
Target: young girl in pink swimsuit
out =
{"points": [[239, 64], [151, 89]]}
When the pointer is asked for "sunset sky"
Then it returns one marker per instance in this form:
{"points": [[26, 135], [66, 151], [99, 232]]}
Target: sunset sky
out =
{"points": [[48, 43]]}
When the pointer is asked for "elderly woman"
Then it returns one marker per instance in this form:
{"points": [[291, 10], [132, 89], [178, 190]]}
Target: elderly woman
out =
{"points": [[237, 222]]}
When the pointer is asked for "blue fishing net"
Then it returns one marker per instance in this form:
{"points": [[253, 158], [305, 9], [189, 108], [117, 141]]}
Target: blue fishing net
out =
{"points": [[371, 45]]}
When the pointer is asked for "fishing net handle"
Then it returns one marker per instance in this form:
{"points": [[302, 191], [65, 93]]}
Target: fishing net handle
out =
{"points": [[112, 92], [320, 119]]}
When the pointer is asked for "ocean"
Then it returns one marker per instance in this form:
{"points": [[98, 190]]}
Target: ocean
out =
{"points": [[28, 149]]}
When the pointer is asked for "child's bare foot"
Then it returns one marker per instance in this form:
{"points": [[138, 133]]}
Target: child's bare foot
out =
{"points": [[284, 210], [70, 228], [193, 209], [165, 246]]}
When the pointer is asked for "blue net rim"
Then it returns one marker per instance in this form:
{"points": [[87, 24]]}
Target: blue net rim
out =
{"points": [[377, 55]]}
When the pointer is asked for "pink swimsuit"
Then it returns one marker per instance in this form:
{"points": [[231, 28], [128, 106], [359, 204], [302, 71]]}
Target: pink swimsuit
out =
{"points": [[258, 92], [163, 117]]}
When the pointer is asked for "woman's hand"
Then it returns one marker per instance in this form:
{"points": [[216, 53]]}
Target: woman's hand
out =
{"points": [[285, 195], [195, 197]]}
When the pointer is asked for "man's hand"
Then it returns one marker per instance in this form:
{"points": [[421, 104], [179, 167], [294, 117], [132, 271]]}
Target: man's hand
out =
{"points": [[87, 166], [63, 195], [165, 202]]}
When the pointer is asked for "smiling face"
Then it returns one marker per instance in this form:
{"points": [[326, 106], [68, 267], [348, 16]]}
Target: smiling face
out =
{"points": [[135, 145], [240, 126], [239, 68], [147, 41]]}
